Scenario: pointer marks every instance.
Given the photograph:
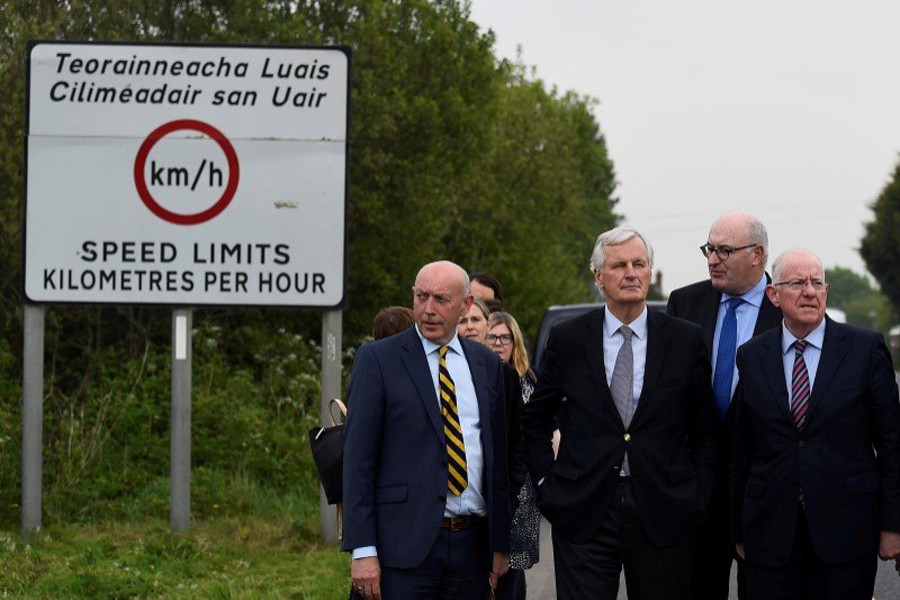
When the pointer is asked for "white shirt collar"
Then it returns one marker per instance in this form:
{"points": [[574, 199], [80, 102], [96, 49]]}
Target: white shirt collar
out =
{"points": [[611, 324], [815, 338], [752, 296], [430, 346]]}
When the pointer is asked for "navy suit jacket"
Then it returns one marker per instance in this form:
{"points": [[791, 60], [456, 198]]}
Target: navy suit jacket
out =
{"points": [[670, 440], [846, 459], [395, 469]]}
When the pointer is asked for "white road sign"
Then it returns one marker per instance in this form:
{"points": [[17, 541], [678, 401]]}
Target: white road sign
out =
{"points": [[186, 175]]}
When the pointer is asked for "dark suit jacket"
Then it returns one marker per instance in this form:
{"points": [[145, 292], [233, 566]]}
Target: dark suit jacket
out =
{"points": [[671, 448], [699, 303], [850, 493], [395, 472]]}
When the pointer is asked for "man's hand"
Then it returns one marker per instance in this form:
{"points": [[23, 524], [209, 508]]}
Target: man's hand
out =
{"points": [[739, 548], [890, 545], [555, 442], [501, 566], [366, 575]]}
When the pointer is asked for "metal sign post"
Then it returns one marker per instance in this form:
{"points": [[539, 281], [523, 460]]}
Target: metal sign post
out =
{"points": [[180, 445], [32, 418]]}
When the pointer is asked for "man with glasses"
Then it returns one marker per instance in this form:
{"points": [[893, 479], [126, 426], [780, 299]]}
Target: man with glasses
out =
{"points": [[731, 307], [634, 472], [815, 477]]}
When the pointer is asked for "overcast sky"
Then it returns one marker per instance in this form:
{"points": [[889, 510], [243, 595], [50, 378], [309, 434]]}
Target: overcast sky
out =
{"points": [[789, 109]]}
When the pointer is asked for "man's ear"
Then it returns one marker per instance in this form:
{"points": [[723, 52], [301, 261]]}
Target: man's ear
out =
{"points": [[758, 252], [772, 293]]}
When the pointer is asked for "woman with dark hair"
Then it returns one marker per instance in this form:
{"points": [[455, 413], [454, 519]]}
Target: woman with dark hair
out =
{"points": [[504, 337], [486, 286]]}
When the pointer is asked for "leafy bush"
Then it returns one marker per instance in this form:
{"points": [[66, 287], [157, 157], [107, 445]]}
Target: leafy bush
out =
{"points": [[106, 434]]}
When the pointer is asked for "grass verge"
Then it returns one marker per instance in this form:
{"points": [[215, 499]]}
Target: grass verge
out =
{"points": [[247, 557]]}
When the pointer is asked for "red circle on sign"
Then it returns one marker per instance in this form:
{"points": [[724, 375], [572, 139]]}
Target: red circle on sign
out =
{"points": [[140, 163]]}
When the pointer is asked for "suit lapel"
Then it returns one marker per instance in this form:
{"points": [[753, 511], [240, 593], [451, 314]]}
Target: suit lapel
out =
{"points": [[594, 346], [657, 340], [479, 380], [833, 353], [413, 358], [710, 316], [773, 365]]}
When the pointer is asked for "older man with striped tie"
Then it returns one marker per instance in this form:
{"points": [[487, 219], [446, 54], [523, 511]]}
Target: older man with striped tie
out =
{"points": [[815, 477], [426, 500]]}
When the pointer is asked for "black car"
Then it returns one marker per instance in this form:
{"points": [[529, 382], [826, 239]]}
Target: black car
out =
{"points": [[558, 313]]}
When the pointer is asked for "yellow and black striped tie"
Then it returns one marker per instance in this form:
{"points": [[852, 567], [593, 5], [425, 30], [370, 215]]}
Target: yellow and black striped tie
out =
{"points": [[457, 478]]}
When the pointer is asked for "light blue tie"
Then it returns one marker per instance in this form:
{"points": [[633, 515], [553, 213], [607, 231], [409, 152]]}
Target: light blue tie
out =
{"points": [[725, 358]]}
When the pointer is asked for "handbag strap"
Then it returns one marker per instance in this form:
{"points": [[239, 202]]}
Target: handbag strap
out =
{"points": [[339, 516], [341, 406]]}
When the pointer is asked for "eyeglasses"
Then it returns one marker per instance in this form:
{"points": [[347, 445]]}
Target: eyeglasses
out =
{"points": [[723, 252], [505, 339], [797, 285]]}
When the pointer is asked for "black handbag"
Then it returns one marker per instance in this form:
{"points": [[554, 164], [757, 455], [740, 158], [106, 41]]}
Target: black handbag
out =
{"points": [[327, 444]]}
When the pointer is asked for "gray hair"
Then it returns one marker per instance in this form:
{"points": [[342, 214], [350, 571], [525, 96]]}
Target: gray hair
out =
{"points": [[778, 264], [757, 234], [614, 237]]}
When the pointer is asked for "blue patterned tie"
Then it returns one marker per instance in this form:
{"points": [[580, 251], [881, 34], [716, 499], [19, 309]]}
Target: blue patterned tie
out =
{"points": [[725, 359]]}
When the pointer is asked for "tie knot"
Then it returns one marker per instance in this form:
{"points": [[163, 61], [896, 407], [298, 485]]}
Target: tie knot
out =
{"points": [[733, 303], [443, 351], [800, 346], [626, 332]]}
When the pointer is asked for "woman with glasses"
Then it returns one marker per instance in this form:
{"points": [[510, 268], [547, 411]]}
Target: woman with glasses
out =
{"points": [[505, 338]]}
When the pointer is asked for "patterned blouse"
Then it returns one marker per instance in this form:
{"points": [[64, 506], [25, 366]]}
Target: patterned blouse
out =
{"points": [[526, 524]]}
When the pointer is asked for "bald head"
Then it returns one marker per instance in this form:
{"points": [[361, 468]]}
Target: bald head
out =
{"points": [[746, 226], [746, 236], [440, 298], [446, 271]]}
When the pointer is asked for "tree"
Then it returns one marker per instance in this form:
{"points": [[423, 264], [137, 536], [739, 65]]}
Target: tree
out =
{"points": [[880, 245], [863, 305], [543, 194], [454, 154]]}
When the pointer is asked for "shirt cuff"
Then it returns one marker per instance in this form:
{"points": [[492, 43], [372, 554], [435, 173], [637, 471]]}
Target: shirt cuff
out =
{"points": [[364, 552]]}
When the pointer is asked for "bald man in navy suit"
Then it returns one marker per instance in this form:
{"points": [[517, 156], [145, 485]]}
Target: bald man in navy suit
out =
{"points": [[426, 501]]}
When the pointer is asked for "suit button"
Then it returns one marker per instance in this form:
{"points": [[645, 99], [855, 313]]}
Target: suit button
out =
{"points": [[627, 437], [801, 443]]}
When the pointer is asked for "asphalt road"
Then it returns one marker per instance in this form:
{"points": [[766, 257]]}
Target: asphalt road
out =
{"points": [[541, 585]]}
